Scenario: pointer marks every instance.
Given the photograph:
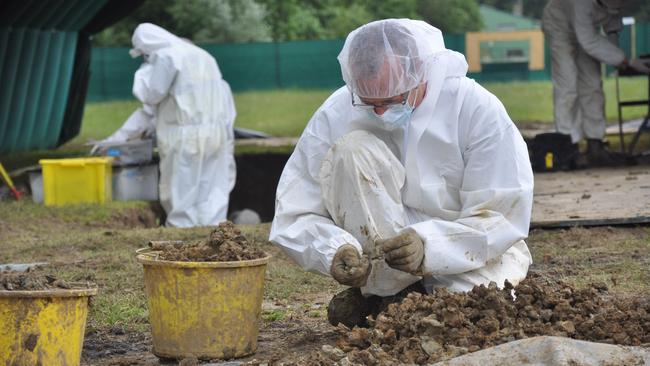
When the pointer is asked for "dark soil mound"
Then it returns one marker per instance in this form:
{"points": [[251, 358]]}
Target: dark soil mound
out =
{"points": [[430, 328], [225, 244]]}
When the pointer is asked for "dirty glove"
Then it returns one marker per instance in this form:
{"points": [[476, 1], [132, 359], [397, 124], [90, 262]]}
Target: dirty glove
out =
{"points": [[639, 65], [349, 267], [403, 252]]}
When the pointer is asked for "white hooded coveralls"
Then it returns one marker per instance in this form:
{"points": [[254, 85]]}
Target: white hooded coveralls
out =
{"points": [[192, 108], [572, 29], [458, 174]]}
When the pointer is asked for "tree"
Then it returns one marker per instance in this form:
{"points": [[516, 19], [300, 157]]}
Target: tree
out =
{"points": [[153, 11], [339, 21], [318, 19], [221, 20], [278, 14], [197, 20], [532, 8], [249, 22], [451, 16], [383, 9]]}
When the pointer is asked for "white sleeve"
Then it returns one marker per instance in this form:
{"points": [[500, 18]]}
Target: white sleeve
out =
{"points": [[139, 124], [591, 40], [230, 115], [153, 80], [496, 194], [302, 225]]}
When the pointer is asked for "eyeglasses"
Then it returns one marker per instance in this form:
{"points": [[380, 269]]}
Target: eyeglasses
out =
{"points": [[357, 102]]}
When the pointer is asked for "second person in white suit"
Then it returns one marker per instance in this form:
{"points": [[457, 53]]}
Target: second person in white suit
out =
{"points": [[191, 108]]}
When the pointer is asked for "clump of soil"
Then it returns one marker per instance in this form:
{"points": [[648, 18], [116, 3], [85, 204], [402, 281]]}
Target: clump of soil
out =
{"points": [[430, 328], [31, 279], [225, 244]]}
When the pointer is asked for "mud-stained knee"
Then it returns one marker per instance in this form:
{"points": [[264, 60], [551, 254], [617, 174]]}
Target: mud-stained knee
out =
{"points": [[356, 143]]}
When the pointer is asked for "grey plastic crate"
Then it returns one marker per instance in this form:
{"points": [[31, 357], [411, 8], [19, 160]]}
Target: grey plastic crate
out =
{"points": [[36, 185], [137, 182], [130, 152]]}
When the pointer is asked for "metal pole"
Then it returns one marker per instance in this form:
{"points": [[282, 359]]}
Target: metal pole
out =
{"points": [[620, 115]]}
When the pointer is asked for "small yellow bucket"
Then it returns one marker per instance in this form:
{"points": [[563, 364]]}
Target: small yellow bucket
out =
{"points": [[205, 310], [44, 327]]}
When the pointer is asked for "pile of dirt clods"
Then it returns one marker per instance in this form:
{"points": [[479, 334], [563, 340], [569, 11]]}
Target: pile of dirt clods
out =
{"points": [[225, 244], [30, 280], [430, 328]]}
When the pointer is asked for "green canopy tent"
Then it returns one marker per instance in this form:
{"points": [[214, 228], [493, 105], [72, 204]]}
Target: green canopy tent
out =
{"points": [[44, 67]]}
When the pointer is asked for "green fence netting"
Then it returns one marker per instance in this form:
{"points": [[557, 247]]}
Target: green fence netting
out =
{"points": [[300, 64]]}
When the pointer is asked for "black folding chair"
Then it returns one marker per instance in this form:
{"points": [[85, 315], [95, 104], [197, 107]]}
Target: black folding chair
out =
{"points": [[644, 127]]}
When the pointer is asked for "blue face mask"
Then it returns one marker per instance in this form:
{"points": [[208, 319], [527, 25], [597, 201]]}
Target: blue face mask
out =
{"points": [[396, 116]]}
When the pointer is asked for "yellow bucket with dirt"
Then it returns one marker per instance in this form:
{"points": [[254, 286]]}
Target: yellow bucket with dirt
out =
{"points": [[43, 327], [205, 310]]}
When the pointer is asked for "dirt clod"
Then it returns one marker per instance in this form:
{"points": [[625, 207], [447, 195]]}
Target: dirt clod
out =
{"points": [[430, 328], [31, 279], [225, 244]]}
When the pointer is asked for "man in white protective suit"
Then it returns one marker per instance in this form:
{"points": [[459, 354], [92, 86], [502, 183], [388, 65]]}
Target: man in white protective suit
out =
{"points": [[191, 108], [411, 177], [573, 31]]}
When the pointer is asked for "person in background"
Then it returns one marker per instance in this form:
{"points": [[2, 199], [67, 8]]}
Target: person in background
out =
{"points": [[411, 177], [189, 108], [578, 47]]}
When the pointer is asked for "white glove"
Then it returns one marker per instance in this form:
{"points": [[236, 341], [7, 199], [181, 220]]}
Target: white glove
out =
{"points": [[98, 147], [639, 65], [95, 150]]}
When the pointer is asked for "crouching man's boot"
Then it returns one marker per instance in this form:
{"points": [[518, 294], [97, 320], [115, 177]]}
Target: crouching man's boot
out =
{"points": [[597, 155], [350, 308]]}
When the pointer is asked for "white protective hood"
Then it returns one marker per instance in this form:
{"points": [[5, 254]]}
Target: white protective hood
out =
{"points": [[468, 186], [410, 50], [148, 38]]}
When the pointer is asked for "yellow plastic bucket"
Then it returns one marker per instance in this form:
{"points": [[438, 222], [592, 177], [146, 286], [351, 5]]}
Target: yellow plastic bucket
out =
{"points": [[203, 309], [43, 327]]}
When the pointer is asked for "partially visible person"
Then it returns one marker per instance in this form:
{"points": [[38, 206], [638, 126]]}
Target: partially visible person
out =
{"points": [[190, 109], [578, 47]]}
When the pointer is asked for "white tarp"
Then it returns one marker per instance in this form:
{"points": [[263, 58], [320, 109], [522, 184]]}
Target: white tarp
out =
{"points": [[555, 351]]}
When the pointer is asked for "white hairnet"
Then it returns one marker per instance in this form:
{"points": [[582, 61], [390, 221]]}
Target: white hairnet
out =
{"points": [[148, 38], [389, 57]]}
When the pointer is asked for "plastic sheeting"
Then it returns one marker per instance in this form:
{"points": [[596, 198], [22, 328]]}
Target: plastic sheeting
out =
{"points": [[553, 351], [38, 40], [35, 75]]}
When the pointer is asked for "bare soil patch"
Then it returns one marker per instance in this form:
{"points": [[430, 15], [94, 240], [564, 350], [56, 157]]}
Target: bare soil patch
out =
{"points": [[226, 243], [117, 346]]}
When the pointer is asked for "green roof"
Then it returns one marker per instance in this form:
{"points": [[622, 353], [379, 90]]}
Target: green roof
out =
{"points": [[495, 20]]}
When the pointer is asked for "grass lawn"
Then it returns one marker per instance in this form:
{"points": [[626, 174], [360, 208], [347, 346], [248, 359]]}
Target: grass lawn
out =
{"points": [[286, 112]]}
